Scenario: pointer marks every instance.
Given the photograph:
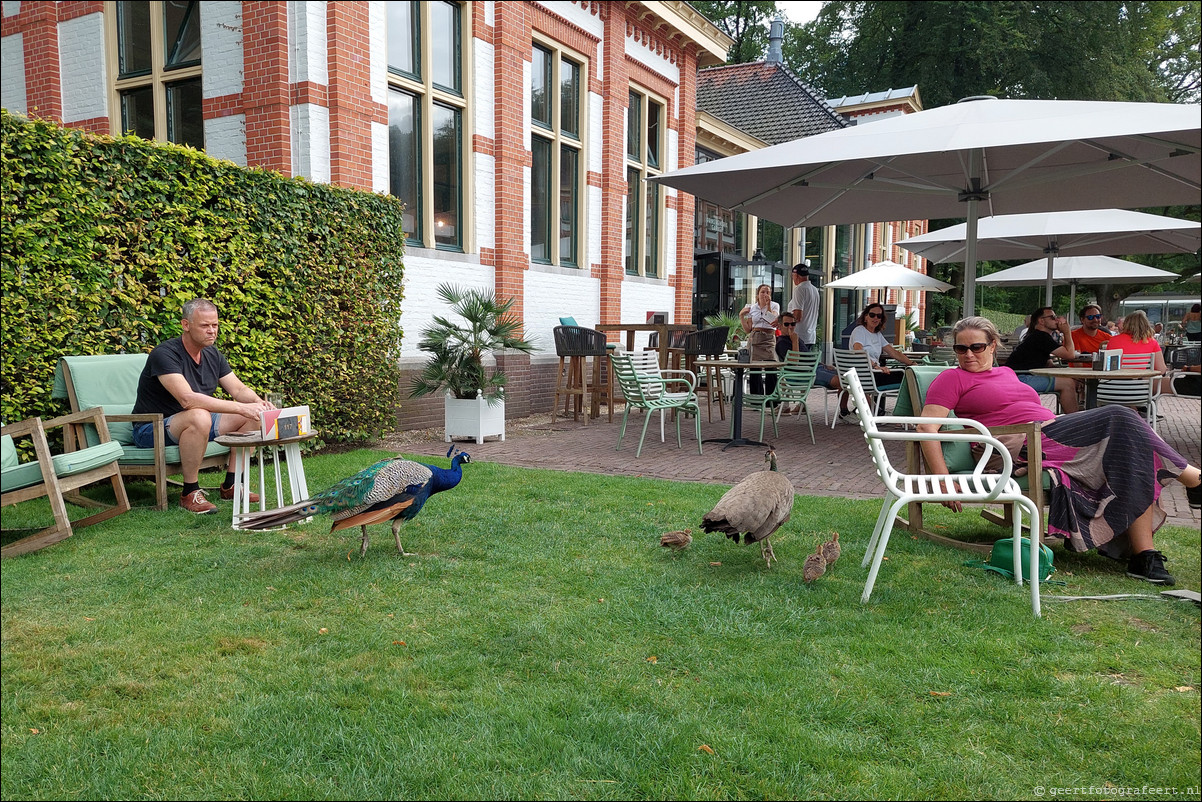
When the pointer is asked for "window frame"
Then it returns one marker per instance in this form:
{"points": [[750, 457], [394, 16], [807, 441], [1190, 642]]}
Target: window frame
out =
{"points": [[557, 139], [644, 248], [159, 78], [429, 97]]}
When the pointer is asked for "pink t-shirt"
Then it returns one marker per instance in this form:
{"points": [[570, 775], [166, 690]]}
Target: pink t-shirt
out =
{"points": [[994, 397], [1124, 343]]}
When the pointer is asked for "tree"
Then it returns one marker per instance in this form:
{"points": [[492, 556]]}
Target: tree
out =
{"points": [[745, 21]]}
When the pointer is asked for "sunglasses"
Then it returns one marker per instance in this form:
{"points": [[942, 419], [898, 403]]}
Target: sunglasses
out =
{"points": [[1093, 317], [976, 348], [874, 315], [787, 325]]}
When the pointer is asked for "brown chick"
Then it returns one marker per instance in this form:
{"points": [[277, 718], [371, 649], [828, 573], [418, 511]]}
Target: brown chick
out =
{"points": [[831, 550], [679, 539], [814, 566]]}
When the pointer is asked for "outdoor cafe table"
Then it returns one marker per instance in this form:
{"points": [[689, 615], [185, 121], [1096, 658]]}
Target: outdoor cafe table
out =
{"points": [[664, 329], [736, 398], [1091, 378]]}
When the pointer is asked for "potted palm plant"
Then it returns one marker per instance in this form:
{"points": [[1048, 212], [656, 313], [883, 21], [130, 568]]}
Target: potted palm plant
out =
{"points": [[475, 397]]}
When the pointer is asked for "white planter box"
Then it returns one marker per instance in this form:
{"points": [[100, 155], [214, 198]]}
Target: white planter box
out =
{"points": [[474, 418]]}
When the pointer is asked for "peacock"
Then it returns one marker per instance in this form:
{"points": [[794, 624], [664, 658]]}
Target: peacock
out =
{"points": [[755, 507], [391, 490]]}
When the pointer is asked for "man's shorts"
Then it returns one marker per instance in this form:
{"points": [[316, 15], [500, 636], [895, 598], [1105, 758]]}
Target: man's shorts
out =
{"points": [[1040, 384], [144, 432]]}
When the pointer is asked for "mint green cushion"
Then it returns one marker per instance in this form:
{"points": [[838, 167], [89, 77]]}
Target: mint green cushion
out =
{"points": [[8, 453], [109, 381], [132, 455], [18, 476], [86, 459]]}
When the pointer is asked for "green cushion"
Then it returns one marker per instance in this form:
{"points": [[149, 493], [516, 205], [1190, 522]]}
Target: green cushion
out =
{"points": [[8, 453], [132, 455], [86, 459], [19, 476], [109, 381]]}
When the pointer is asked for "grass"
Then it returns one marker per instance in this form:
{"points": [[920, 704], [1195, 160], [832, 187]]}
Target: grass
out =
{"points": [[546, 647]]}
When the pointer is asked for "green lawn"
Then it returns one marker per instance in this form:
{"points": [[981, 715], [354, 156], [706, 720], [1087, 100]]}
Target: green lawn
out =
{"points": [[544, 646]]}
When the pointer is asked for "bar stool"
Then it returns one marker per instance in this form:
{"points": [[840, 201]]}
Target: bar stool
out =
{"points": [[576, 344], [709, 343]]}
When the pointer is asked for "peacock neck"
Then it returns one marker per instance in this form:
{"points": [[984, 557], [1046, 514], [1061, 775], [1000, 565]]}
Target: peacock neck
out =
{"points": [[445, 478]]}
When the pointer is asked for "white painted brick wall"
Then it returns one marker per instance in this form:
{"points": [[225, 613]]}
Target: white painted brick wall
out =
{"points": [[10, 8], [555, 293], [640, 296], [83, 68], [12, 71], [310, 125], [307, 59], [653, 61], [221, 37], [483, 89], [380, 178], [424, 271], [225, 138], [378, 51], [576, 15], [486, 200]]}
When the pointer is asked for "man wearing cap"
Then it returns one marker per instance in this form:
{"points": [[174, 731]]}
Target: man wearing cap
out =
{"points": [[803, 305]]}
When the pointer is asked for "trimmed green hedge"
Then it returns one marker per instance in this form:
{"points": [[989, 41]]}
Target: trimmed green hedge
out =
{"points": [[104, 238]]}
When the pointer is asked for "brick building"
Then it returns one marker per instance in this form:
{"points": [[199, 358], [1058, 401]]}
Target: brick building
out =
{"points": [[519, 134]]}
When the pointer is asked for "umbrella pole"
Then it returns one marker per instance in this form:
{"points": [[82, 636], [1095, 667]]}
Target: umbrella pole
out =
{"points": [[971, 196], [1048, 292], [1072, 299]]}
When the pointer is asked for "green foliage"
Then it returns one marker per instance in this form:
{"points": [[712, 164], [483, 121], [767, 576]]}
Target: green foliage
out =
{"points": [[458, 349], [104, 238], [734, 327], [744, 21], [1104, 50]]}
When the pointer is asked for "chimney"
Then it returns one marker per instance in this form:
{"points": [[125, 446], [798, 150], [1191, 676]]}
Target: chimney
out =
{"points": [[776, 35]]}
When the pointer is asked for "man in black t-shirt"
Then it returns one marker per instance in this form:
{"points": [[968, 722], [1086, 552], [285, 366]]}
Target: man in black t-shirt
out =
{"points": [[179, 381], [1037, 347]]}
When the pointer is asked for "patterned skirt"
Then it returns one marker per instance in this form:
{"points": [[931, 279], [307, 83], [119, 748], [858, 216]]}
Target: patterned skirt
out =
{"points": [[1108, 467]]}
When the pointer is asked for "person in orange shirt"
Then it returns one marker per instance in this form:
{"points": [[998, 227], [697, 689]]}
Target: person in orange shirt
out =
{"points": [[1089, 337]]}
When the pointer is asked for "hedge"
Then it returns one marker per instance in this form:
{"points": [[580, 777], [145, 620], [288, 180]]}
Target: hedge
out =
{"points": [[104, 238]]}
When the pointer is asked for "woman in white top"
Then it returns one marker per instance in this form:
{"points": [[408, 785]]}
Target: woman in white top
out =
{"points": [[759, 322], [869, 336]]}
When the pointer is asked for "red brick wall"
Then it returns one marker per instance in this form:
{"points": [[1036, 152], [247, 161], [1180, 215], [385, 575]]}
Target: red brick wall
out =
{"points": [[352, 109], [266, 92], [38, 24], [615, 92], [511, 48]]}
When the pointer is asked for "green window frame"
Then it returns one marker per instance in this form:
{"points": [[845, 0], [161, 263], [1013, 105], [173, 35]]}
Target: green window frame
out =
{"points": [[427, 113], [557, 78], [645, 144], [157, 89]]}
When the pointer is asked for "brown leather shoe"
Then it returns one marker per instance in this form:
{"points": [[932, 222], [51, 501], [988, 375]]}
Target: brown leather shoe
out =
{"points": [[196, 502], [227, 494]]}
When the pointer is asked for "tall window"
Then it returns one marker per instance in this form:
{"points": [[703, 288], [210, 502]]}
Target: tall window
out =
{"points": [[426, 104], [556, 83], [644, 158], [158, 89]]}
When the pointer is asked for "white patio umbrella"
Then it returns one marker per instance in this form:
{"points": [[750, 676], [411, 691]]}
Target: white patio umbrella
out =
{"points": [[886, 275], [1075, 270], [1091, 232], [1012, 155]]}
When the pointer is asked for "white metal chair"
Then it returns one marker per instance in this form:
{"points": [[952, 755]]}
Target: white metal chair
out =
{"points": [[1135, 393], [858, 361], [901, 488], [646, 387]]}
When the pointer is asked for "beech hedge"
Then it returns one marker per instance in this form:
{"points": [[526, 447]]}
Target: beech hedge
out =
{"points": [[102, 240]]}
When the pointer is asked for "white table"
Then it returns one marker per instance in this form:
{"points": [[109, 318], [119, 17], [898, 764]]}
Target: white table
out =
{"points": [[243, 445]]}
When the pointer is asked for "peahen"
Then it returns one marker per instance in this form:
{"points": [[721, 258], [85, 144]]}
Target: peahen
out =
{"points": [[391, 490], [755, 507]]}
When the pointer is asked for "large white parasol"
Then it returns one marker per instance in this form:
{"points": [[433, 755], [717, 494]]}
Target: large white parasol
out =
{"points": [[1013, 156], [889, 274], [1093, 232], [1076, 270]]}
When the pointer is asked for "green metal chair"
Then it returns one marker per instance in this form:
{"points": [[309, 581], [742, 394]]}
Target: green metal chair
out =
{"points": [[795, 382], [648, 388]]}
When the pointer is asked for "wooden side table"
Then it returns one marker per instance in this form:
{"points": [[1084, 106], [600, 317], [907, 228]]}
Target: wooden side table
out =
{"points": [[243, 445]]}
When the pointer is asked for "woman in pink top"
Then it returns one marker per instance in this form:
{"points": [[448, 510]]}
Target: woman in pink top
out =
{"points": [[1138, 337], [1117, 515]]}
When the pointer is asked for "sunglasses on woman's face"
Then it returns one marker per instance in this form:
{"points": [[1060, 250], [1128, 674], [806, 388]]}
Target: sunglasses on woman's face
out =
{"points": [[874, 315], [976, 348]]}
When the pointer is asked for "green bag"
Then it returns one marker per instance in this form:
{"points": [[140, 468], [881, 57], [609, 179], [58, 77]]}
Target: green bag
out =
{"points": [[1001, 559]]}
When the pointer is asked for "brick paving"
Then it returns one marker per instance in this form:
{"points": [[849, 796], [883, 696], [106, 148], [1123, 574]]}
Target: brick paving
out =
{"points": [[838, 464]]}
